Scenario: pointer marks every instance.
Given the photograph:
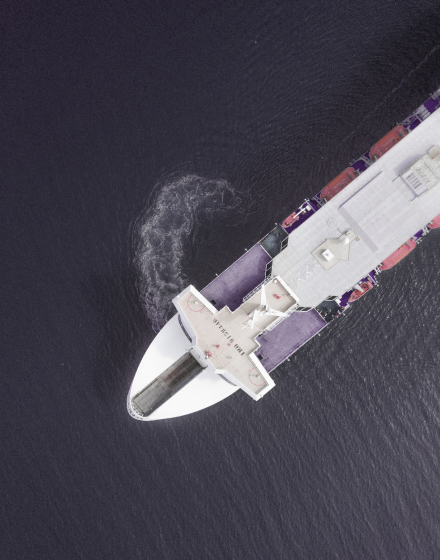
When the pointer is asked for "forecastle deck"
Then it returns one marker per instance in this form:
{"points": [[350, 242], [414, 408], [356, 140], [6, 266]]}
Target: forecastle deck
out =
{"points": [[227, 339]]}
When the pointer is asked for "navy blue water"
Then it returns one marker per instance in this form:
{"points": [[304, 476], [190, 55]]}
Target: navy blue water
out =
{"points": [[145, 145]]}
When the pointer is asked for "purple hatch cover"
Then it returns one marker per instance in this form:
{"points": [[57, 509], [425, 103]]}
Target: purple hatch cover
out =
{"points": [[288, 336], [232, 285]]}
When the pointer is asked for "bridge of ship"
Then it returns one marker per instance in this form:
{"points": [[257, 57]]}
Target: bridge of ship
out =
{"points": [[224, 339]]}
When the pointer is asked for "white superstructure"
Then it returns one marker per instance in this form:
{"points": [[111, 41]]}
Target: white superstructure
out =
{"points": [[205, 354], [379, 206]]}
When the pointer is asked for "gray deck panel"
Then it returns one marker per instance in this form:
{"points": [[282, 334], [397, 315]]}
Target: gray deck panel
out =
{"points": [[167, 384]]}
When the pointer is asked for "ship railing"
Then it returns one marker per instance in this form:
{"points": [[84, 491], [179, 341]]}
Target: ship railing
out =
{"points": [[274, 324], [420, 114], [257, 288], [366, 160], [318, 201], [185, 332], [292, 309], [134, 411], [280, 319]]}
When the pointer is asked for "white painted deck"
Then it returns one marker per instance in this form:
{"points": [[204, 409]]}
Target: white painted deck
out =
{"points": [[225, 340], [378, 206]]}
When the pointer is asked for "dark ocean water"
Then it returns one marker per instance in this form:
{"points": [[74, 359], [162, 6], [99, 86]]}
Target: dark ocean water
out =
{"points": [[145, 145]]}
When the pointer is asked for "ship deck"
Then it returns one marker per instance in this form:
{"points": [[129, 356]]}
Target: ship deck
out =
{"points": [[224, 338], [378, 206]]}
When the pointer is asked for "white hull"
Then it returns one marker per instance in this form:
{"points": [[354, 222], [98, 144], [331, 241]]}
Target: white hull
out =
{"points": [[203, 391], [205, 353]]}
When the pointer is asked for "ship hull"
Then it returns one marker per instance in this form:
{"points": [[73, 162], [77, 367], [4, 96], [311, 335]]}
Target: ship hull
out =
{"points": [[294, 281], [168, 346]]}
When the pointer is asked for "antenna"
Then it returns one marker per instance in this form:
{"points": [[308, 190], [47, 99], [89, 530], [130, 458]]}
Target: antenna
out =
{"points": [[261, 310]]}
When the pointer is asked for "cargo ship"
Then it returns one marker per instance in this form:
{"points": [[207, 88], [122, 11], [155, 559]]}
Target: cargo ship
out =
{"points": [[302, 275]]}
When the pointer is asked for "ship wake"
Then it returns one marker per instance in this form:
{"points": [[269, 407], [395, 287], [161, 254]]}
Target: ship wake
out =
{"points": [[167, 230]]}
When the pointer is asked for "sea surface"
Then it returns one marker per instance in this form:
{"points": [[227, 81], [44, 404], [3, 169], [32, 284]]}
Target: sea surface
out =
{"points": [[144, 146]]}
